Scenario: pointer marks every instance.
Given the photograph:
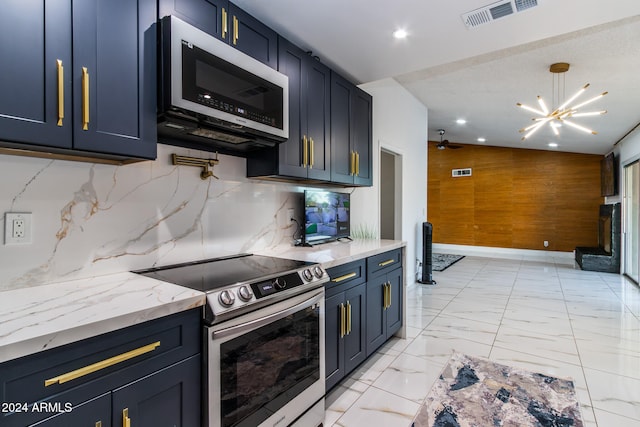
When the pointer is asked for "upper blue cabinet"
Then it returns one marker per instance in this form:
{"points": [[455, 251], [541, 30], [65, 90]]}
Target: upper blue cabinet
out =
{"points": [[227, 22], [79, 78]]}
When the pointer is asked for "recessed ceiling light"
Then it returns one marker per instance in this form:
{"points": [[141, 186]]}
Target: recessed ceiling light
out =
{"points": [[482, 139], [400, 33], [553, 145], [461, 121]]}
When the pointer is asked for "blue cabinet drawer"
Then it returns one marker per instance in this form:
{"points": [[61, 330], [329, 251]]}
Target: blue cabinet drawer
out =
{"points": [[345, 276], [80, 371], [384, 262]]}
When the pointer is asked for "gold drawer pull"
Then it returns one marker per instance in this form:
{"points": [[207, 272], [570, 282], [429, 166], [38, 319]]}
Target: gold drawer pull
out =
{"points": [[388, 294], [60, 91], [224, 23], [357, 173], [305, 149], [343, 328], [101, 365], [85, 98], [348, 318], [345, 277], [126, 421], [236, 33], [98, 423], [311, 161], [387, 262]]}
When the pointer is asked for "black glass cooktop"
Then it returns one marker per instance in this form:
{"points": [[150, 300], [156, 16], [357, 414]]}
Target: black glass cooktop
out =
{"points": [[211, 274]]}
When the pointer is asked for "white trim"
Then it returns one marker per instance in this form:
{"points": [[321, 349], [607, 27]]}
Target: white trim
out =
{"points": [[508, 253]]}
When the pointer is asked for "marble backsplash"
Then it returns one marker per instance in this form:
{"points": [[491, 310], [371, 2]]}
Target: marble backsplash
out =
{"points": [[92, 219]]}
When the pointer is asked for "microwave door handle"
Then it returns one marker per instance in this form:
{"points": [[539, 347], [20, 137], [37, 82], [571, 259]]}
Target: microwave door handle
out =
{"points": [[255, 324]]}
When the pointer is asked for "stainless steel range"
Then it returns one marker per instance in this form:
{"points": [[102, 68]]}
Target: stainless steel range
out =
{"points": [[263, 338]]}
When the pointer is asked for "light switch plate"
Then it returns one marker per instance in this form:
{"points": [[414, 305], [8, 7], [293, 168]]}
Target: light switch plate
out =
{"points": [[17, 228]]}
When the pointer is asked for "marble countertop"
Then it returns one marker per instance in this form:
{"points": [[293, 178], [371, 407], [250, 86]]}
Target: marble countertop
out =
{"points": [[38, 318], [34, 319], [335, 253]]}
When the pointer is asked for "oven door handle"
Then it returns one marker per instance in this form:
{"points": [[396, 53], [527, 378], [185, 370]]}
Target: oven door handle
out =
{"points": [[257, 323]]}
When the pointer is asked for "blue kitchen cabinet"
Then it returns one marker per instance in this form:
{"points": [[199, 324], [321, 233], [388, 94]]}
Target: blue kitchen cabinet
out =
{"points": [[149, 373], [306, 153], [384, 298], [345, 328], [114, 100], [226, 21], [79, 78], [35, 87], [351, 133]]}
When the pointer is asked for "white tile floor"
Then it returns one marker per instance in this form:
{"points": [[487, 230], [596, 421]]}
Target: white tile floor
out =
{"points": [[545, 316]]}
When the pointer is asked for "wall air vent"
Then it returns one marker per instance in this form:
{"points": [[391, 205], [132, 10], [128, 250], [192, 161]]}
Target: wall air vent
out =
{"points": [[496, 10], [460, 172]]}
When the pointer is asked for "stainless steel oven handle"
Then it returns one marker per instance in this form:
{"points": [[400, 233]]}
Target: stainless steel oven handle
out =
{"points": [[255, 324]]}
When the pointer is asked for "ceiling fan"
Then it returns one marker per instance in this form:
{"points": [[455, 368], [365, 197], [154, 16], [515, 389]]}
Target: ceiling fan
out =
{"points": [[445, 144]]}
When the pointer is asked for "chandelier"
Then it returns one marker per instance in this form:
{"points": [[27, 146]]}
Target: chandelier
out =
{"points": [[564, 112]]}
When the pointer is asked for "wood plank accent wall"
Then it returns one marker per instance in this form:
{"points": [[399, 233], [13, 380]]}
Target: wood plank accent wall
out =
{"points": [[515, 198]]}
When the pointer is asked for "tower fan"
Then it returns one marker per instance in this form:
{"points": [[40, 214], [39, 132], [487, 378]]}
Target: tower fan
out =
{"points": [[427, 259]]}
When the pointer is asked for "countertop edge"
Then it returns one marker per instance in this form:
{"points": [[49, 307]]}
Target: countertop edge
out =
{"points": [[67, 312]]}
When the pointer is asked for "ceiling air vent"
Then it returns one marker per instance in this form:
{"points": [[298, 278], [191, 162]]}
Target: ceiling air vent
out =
{"points": [[496, 10]]}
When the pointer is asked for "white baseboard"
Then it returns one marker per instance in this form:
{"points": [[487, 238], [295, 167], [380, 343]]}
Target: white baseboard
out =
{"points": [[508, 253]]}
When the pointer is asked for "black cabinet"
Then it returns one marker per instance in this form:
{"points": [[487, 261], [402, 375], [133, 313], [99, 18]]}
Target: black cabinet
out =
{"points": [[73, 85], [384, 298], [149, 373], [170, 397], [227, 22], [345, 305], [351, 133], [306, 153]]}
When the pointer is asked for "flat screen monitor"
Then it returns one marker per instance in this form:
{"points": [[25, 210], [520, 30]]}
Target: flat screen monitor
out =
{"points": [[326, 216]]}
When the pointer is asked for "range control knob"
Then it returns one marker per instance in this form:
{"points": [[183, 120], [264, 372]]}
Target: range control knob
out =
{"points": [[226, 298], [317, 271], [280, 283], [244, 293], [307, 275]]}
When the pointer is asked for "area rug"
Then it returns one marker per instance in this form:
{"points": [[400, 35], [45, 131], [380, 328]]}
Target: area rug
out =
{"points": [[439, 262], [477, 392]]}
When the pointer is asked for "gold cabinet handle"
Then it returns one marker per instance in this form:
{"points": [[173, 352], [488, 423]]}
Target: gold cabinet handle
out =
{"points": [[69, 376], [385, 263], [236, 34], [352, 163], [225, 25], [348, 317], [357, 173], [388, 294], [342, 322], [344, 277], [85, 98], [98, 423], [384, 296], [60, 91], [305, 153], [311, 153], [126, 421]]}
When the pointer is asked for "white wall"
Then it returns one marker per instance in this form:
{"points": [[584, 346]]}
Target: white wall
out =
{"points": [[399, 126]]}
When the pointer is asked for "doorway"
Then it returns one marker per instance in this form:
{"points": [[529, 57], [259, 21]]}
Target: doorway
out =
{"points": [[390, 195], [631, 208]]}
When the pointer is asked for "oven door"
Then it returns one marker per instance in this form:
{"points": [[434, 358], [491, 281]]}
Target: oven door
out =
{"points": [[267, 367]]}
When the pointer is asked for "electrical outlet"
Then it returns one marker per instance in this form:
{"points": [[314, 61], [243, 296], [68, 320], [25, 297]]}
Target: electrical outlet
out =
{"points": [[17, 228]]}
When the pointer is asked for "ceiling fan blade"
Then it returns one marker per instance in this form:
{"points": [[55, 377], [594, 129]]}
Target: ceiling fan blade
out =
{"points": [[455, 147]]}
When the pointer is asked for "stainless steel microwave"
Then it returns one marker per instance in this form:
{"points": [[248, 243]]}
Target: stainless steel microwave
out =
{"points": [[216, 96]]}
